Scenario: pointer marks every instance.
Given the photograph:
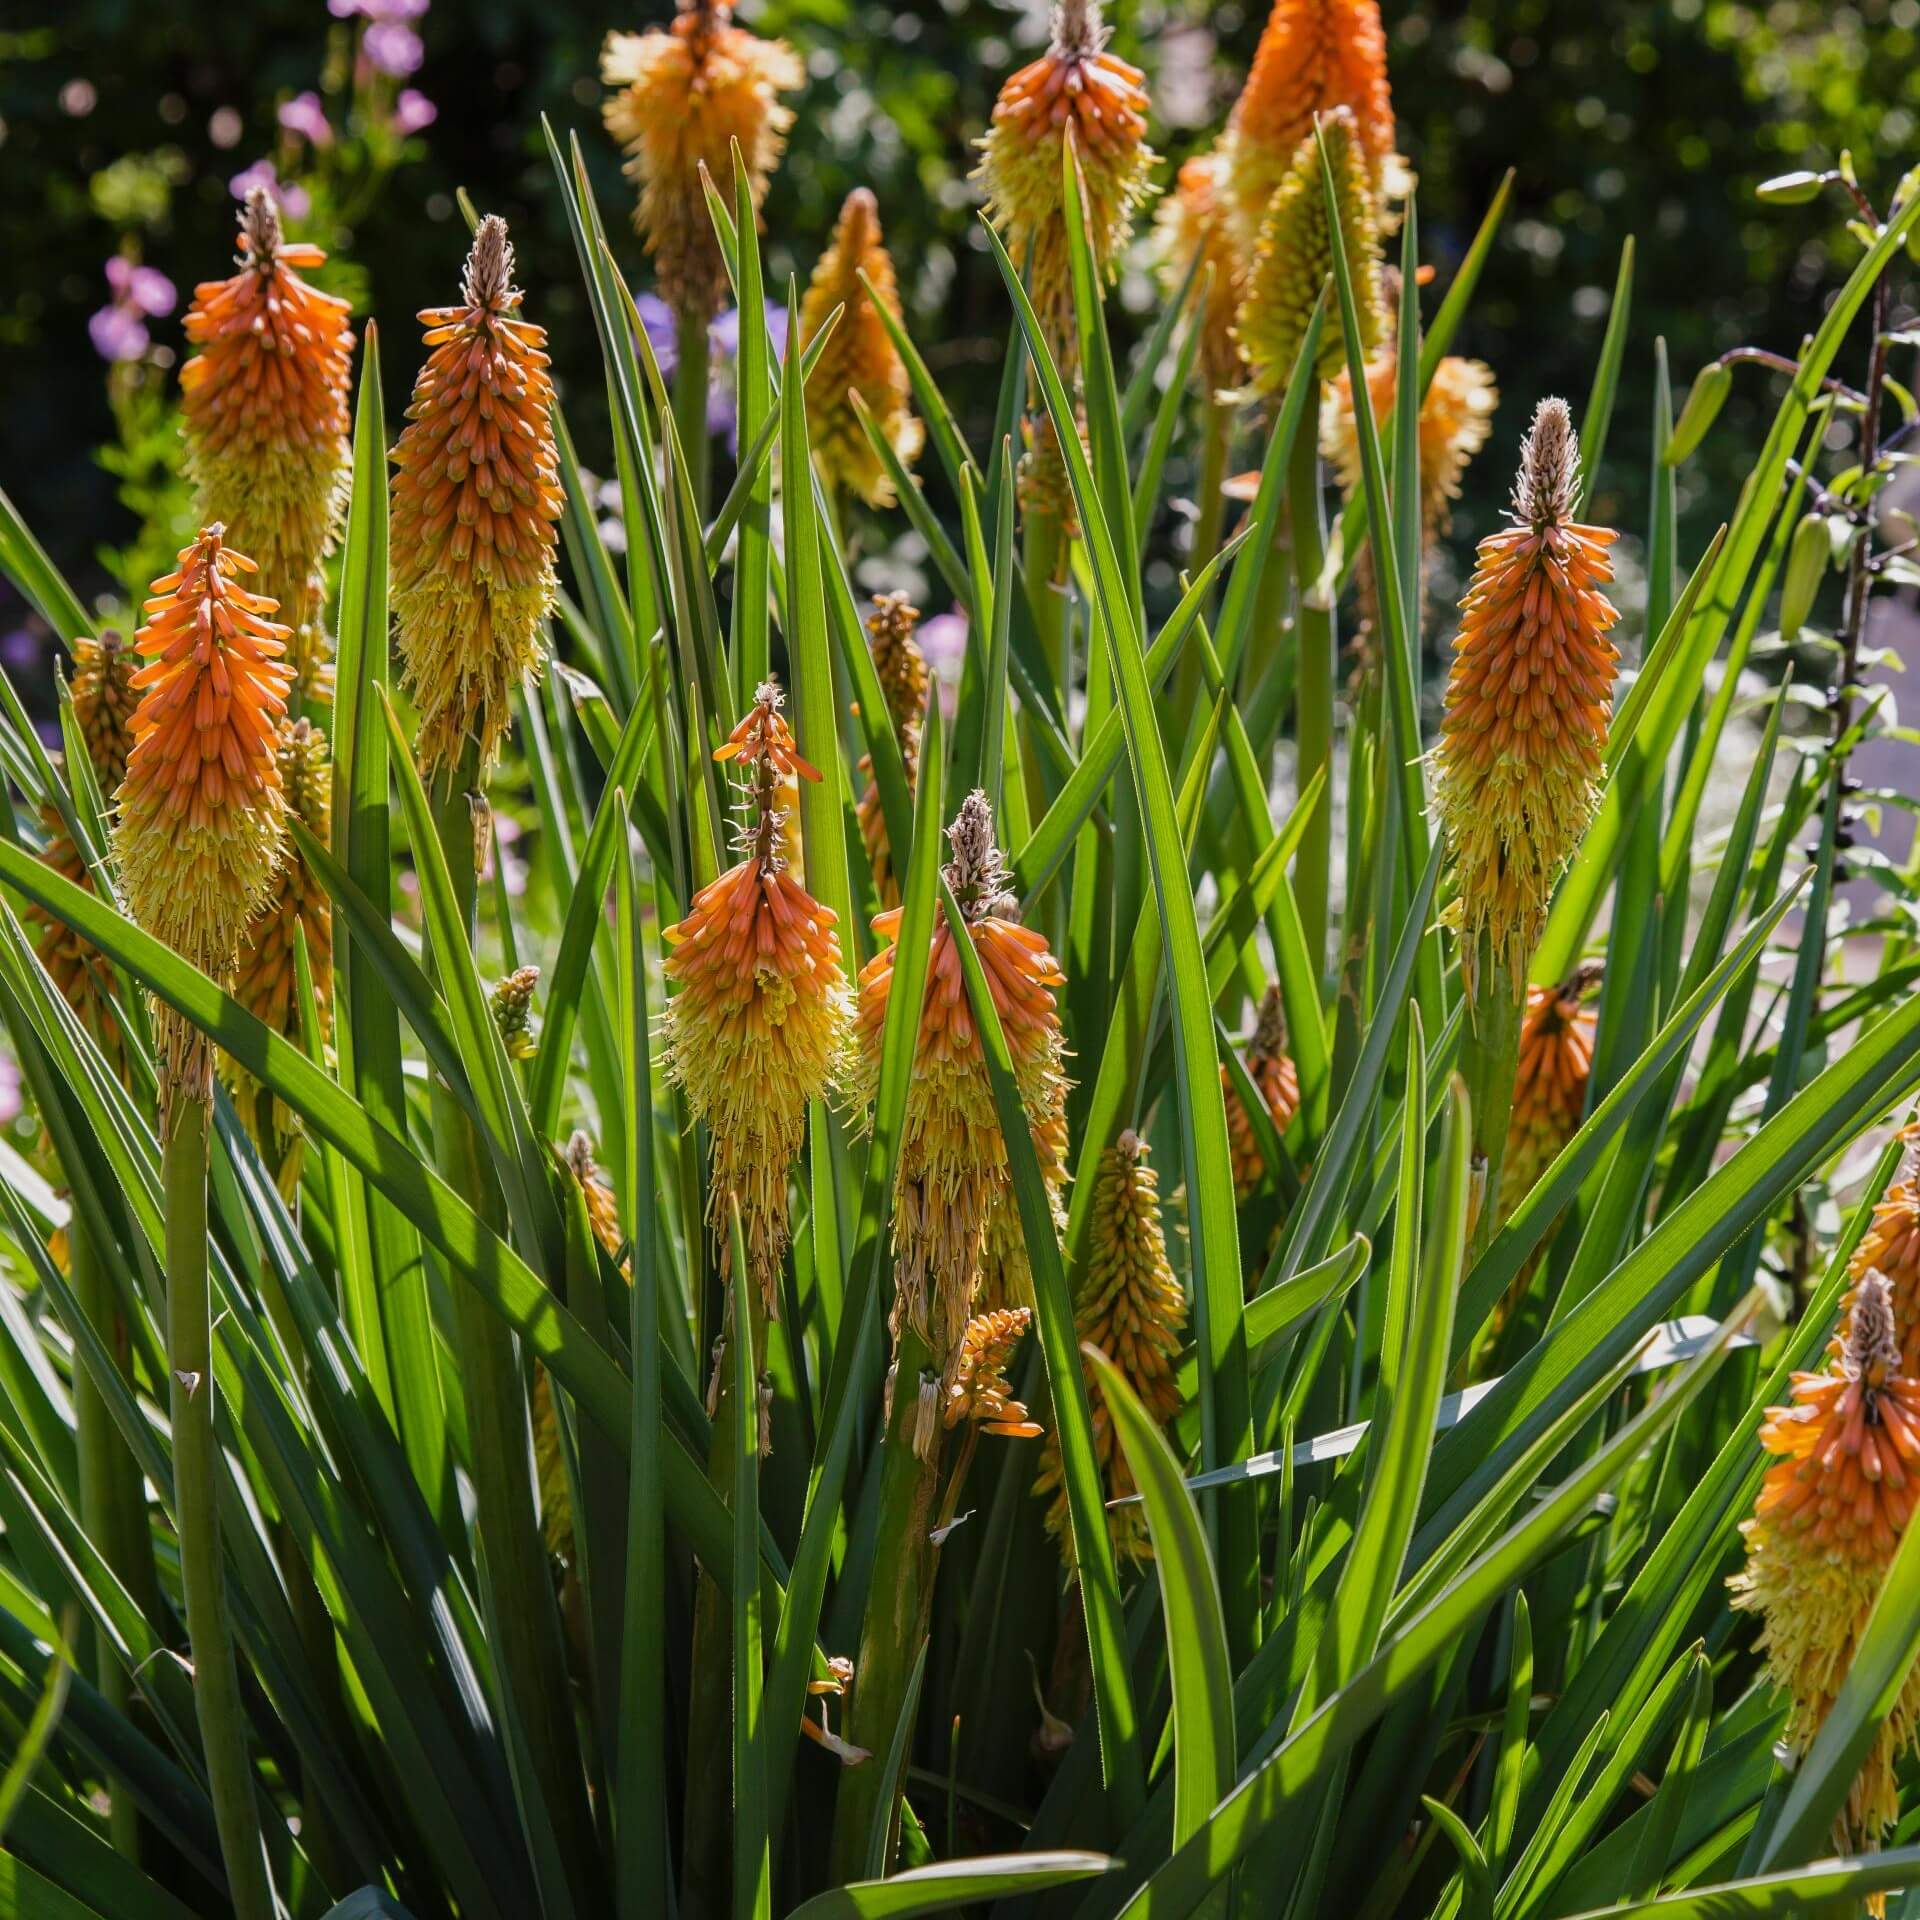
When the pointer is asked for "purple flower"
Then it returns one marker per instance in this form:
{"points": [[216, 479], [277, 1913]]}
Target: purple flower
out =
{"points": [[390, 10], [943, 639], [394, 49], [294, 200], [9, 1093], [145, 289], [304, 115], [412, 111], [20, 650], [117, 334]]}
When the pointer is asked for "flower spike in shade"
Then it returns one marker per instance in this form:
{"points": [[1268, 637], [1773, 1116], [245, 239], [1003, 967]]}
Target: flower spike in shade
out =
{"points": [[1528, 703], [103, 702], [1314, 56], [859, 359], [902, 670], [952, 1170], [1830, 1513], [1192, 220], [1130, 1306], [682, 95], [201, 818], [979, 1388], [1271, 1070], [475, 510], [1550, 1086], [1292, 255], [264, 406], [758, 1021]]}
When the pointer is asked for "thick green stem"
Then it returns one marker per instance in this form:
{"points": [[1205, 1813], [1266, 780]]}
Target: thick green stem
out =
{"points": [[196, 1472], [1313, 708], [1489, 1055], [690, 378]]}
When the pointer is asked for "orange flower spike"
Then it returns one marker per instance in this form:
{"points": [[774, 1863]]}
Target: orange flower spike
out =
{"points": [[476, 507], [201, 818], [1829, 1516], [1550, 1086], [681, 96], [757, 1023], [1313, 56], [1528, 702], [1131, 1307], [858, 360], [1193, 220], [103, 702], [1456, 418], [1272, 1071], [264, 408], [902, 670], [1075, 89], [1891, 1248]]}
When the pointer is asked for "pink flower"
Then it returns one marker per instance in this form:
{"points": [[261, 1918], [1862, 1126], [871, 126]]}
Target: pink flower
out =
{"points": [[412, 111], [145, 289], [393, 10], [943, 639], [394, 49], [118, 333], [294, 200], [304, 115]]}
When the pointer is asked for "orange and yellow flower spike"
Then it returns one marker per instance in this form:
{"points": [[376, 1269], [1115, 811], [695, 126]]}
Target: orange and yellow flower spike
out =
{"points": [[1271, 1069], [103, 702], [1891, 1248], [1192, 220], [201, 823], [476, 507], [1528, 703], [682, 95], [1830, 1513], [264, 983], [979, 1390], [859, 359], [1550, 1086], [758, 1020], [902, 669], [264, 407], [1131, 1307]]}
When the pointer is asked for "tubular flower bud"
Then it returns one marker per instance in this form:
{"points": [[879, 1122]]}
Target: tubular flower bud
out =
{"points": [[1131, 1308], [859, 359], [264, 406], [952, 1172], [978, 1390], [1891, 1248], [103, 703], [1314, 56], [1550, 1083], [757, 1023], [1192, 220], [1528, 702], [902, 669], [1292, 255], [512, 1004], [1456, 417], [475, 507], [1272, 1071], [1829, 1516], [201, 818], [1076, 90], [682, 95]]}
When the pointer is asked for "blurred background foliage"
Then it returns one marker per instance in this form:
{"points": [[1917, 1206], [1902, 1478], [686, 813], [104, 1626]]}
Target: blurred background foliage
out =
{"points": [[124, 122]]}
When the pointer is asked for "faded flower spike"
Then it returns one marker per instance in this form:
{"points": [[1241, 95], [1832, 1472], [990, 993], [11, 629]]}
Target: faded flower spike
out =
{"points": [[103, 702], [201, 818], [902, 670], [1314, 56], [859, 363], [475, 510], [1271, 1070], [682, 95], [1076, 90], [978, 1390], [1829, 1516], [952, 1171], [1292, 255], [755, 1028], [512, 1004], [1192, 220], [1130, 1306], [264, 406], [1528, 703]]}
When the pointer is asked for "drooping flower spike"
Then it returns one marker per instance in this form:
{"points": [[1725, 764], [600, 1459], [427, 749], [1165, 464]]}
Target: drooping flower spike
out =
{"points": [[952, 1171], [476, 506], [1829, 1515], [1271, 1069], [264, 406], [1528, 704], [682, 95], [201, 817], [758, 1019], [859, 359], [1193, 221], [1131, 1307]]}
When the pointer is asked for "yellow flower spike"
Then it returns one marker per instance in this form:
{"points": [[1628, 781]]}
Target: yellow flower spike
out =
{"points": [[1292, 255], [1271, 1070], [978, 1390], [902, 670], [103, 702], [1313, 56], [952, 1172], [860, 358], [681, 96], [1829, 1515], [476, 507], [1193, 220], [1550, 1085], [512, 1005], [1529, 697], [757, 1024], [1130, 1306], [201, 818], [264, 408]]}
